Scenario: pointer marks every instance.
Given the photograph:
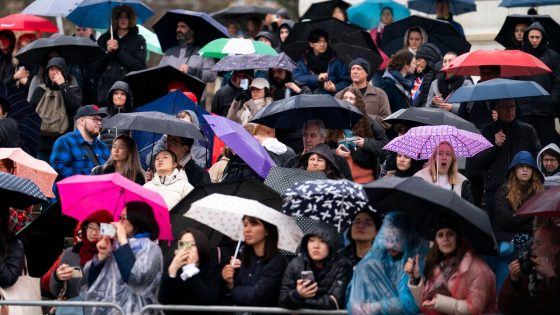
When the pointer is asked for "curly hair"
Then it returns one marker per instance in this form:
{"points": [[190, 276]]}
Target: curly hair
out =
{"points": [[517, 193], [362, 128]]}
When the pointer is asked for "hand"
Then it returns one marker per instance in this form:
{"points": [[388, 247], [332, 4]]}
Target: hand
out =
{"points": [[148, 175], [179, 260], [411, 268], [229, 271], [448, 107], [500, 138], [322, 77], [64, 272], [544, 266], [343, 151], [429, 304], [242, 95], [494, 115], [58, 79], [184, 68], [437, 100], [360, 142], [21, 73], [306, 289], [292, 86], [515, 270], [104, 247], [112, 45], [329, 86]]}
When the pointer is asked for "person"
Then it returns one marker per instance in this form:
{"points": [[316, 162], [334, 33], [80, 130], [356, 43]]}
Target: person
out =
{"points": [[84, 74], [444, 85], [533, 288], [319, 68], [12, 253], [184, 56], [9, 134], [400, 165], [119, 101], [269, 39], [216, 171], [284, 29], [225, 96], [414, 38], [398, 80], [456, 280], [169, 181], [278, 151], [182, 148], [282, 84], [125, 51], [361, 234], [443, 13], [190, 275], [233, 30], [78, 152], [379, 284], [548, 160], [518, 32], [7, 45], [124, 160], [128, 269], [254, 26], [426, 58], [331, 269], [339, 11], [242, 112], [20, 79], [255, 279], [19, 218], [376, 34], [320, 159]]}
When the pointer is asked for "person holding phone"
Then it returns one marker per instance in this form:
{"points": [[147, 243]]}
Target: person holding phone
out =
{"points": [[318, 277]]}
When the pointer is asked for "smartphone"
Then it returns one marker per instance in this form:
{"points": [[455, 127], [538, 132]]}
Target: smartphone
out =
{"points": [[68, 242], [184, 245], [307, 275], [244, 84], [108, 229], [77, 272]]}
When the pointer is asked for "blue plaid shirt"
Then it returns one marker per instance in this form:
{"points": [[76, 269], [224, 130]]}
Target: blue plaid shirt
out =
{"points": [[69, 158]]}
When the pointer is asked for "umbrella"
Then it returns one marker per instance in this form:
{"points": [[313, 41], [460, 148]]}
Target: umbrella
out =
{"points": [[295, 111], [55, 8], [423, 202], [506, 35], [456, 7], [74, 50], [348, 41], [18, 192], [282, 178], [240, 14], [97, 13], [545, 203], [225, 214], [205, 28], [242, 143], [222, 47], [496, 89], [441, 33], [368, 13], [255, 62], [422, 116], [527, 3], [150, 84], [39, 172], [420, 142], [154, 122], [323, 9], [27, 22], [333, 202], [80, 195], [152, 42]]}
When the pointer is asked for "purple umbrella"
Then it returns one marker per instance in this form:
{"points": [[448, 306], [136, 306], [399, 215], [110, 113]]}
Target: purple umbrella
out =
{"points": [[419, 142], [242, 143]]}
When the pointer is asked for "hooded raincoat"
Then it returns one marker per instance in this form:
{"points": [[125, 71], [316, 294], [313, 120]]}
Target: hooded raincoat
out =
{"points": [[109, 134]]}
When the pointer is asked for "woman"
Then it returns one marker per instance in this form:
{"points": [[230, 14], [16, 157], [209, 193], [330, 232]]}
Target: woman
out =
{"points": [[426, 58], [361, 234], [119, 100], [20, 79], [126, 270], [190, 276], [457, 281], [260, 98], [321, 159], [444, 85], [169, 181], [398, 80], [414, 38], [255, 279], [123, 160], [400, 165], [377, 35], [284, 30]]}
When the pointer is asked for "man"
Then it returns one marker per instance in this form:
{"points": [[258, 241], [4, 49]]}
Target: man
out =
{"points": [[185, 57], [182, 149], [79, 151], [377, 103], [548, 160], [232, 91], [442, 13]]}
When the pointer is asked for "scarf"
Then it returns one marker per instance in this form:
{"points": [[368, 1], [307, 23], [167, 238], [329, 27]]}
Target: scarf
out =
{"points": [[447, 268], [407, 82], [87, 251], [448, 85], [319, 63]]}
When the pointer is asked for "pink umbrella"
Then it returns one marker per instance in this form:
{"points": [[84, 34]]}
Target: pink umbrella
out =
{"points": [[39, 172], [419, 142], [80, 195]]}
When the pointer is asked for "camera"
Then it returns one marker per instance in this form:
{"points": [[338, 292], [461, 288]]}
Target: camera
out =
{"points": [[525, 261]]}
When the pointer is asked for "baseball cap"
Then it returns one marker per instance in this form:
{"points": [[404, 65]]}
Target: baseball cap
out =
{"points": [[89, 110]]}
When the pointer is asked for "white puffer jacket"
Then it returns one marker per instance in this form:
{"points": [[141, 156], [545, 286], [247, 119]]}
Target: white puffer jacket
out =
{"points": [[172, 188]]}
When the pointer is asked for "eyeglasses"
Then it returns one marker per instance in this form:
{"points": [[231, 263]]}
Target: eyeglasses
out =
{"points": [[92, 228], [365, 223], [95, 119], [123, 217]]}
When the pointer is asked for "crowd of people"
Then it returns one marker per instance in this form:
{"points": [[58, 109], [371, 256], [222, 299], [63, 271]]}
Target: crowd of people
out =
{"points": [[380, 264]]}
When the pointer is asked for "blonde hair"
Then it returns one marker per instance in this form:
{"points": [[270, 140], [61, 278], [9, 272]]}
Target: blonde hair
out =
{"points": [[516, 195], [452, 173], [264, 130]]}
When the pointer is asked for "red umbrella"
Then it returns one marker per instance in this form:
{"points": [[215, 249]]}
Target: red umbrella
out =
{"points": [[27, 22], [512, 63], [545, 203]]}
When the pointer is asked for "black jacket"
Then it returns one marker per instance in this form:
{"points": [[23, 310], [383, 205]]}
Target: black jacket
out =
{"points": [[506, 223], [107, 135], [237, 170], [223, 99], [341, 164], [196, 175], [12, 265]]}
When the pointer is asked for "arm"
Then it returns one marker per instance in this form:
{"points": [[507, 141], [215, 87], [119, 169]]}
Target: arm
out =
{"points": [[431, 94], [303, 75], [340, 75], [72, 95], [61, 158], [136, 59], [375, 146], [93, 269], [289, 297], [488, 156], [259, 293], [12, 265], [416, 291], [335, 295], [125, 260], [207, 74]]}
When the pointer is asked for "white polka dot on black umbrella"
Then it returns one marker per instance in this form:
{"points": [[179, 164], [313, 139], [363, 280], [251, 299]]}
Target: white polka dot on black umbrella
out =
{"points": [[17, 191], [282, 178]]}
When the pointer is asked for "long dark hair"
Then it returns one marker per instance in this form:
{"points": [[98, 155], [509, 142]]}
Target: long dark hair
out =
{"points": [[270, 245], [435, 256], [141, 216], [132, 166], [202, 245]]}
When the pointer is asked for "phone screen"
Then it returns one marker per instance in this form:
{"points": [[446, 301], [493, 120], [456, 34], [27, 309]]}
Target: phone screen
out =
{"points": [[244, 84]]}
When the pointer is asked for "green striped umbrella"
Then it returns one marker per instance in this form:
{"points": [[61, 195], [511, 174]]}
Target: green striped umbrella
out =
{"points": [[222, 47]]}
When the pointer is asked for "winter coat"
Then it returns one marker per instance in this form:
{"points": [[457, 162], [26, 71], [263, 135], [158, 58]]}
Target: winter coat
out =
{"points": [[506, 222], [337, 72], [377, 103], [196, 175], [399, 97], [340, 162], [462, 188], [332, 279], [550, 147], [107, 135], [432, 55], [434, 91], [12, 265], [172, 188], [71, 257], [186, 53], [242, 113], [108, 169], [238, 170], [113, 66], [223, 99]]}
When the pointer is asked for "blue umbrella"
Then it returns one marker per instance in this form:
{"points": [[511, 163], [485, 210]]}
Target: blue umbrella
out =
{"points": [[368, 13], [527, 3], [456, 7], [497, 89], [97, 13], [56, 8]]}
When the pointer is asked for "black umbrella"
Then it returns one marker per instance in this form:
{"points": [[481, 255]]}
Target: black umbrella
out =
{"points": [[150, 84], [240, 14], [506, 36], [349, 42], [74, 50], [424, 202], [205, 28], [422, 116], [324, 9], [441, 33], [18, 192], [295, 111]]}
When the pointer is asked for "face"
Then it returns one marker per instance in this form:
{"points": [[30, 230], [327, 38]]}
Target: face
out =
{"points": [[519, 30], [358, 74], [53, 71], [320, 46], [232, 29], [312, 137], [254, 232], [284, 32], [338, 13], [3, 168], [445, 158], [442, 8], [542, 245], [2, 113], [421, 64], [316, 163], [363, 228], [317, 249], [119, 98], [123, 20], [5, 43], [83, 31], [506, 110], [411, 67], [550, 162], [183, 32], [92, 125], [535, 38], [523, 173], [394, 242], [279, 74], [386, 16], [188, 239], [448, 58], [175, 145], [119, 150], [265, 40], [92, 232], [414, 39], [349, 97], [487, 74], [128, 227], [257, 93], [403, 162], [165, 163], [238, 76], [446, 240]]}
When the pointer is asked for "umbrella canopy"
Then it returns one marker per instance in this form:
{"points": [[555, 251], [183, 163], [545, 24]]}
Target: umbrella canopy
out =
{"points": [[282, 178], [545, 203], [225, 214], [423, 203], [74, 50], [27, 22], [242, 143], [80, 195], [506, 36], [97, 13], [19, 192], [55, 8], [348, 41], [255, 62], [205, 28], [150, 84], [155, 122], [511, 62], [241, 14], [456, 7], [323, 9], [152, 42], [419, 142], [222, 47], [440, 33], [39, 172], [422, 116], [527, 3], [368, 13], [496, 89], [295, 111]]}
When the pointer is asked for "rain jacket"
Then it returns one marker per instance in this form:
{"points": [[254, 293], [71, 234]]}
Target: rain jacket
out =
{"points": [[186, 53], [551, 147], [109, 134], [434, 91], [332, 279], [172, 188], [337, 71]]}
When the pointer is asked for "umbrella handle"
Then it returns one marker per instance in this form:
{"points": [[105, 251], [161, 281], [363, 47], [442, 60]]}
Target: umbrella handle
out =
{"points": [[232, 262]]}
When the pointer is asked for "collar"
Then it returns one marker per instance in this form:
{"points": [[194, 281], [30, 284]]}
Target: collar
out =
{"points": [[81, 139], [185, 159]]}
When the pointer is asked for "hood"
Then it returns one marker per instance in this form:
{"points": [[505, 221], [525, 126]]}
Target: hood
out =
{"points": [[289, 24], [526, 45], [99, 216], [422, 31], [327, 233], [274, 146], [59, 63], [271, 37], [128, 105], [430, 52], [194, 118], [551, 149], [325, 151], [524, 157], [176, 176]]}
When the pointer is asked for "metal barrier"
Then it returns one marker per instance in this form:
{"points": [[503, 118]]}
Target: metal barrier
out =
{"points": [[63, 303], [233, 309]]}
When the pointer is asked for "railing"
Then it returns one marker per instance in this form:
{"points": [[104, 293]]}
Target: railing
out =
{"points": [[234, 309], [63, 303]]}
